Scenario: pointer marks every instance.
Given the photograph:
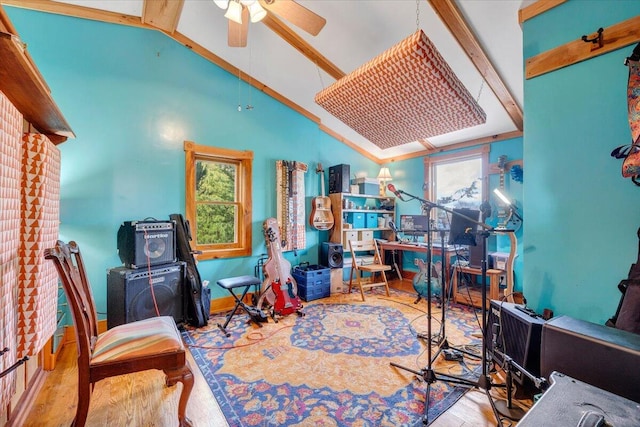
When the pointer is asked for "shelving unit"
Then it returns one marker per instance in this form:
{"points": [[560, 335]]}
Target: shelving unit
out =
{"points": [[368, 206]]}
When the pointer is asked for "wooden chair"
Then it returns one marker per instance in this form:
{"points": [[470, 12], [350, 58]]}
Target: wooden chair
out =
{"points": [[365, 258], [153, 343]]}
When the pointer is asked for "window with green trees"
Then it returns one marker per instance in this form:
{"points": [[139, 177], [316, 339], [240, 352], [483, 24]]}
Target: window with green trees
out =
{"points": [[456, 180], [218, 200]]}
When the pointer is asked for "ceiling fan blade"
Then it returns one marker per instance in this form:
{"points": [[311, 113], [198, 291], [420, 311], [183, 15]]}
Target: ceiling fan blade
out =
{"points": [[237, 33], [297, 14]]}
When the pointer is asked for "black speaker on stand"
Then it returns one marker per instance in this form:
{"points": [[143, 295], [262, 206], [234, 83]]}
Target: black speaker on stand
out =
{"points": [[331, 255], [132, 294]]}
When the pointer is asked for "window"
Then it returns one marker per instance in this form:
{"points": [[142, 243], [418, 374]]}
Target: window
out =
{"points": [[456, 180], [218, 200]]}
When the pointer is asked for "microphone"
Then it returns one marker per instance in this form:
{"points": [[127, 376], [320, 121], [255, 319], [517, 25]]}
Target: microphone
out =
{"points": [[392, 226], [395, 191]]}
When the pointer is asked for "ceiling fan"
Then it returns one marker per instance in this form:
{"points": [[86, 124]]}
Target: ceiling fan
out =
{"points": [[240, 12]]}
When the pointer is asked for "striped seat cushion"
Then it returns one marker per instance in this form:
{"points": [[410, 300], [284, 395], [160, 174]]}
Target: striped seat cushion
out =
{"points": [[142, 338]]}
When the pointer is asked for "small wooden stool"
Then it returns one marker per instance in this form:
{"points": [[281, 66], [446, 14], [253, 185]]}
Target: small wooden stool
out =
{"points": [[474, 298], [243, 284]]}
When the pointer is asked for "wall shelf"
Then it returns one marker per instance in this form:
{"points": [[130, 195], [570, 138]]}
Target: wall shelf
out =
{"points": [[23, 84]]}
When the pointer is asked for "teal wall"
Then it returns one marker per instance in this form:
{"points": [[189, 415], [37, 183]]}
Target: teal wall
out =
{"points": [[581, 216], [133, 96]]}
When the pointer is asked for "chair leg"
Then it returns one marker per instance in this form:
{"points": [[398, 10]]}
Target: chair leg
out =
{"points": [[359, 277], [386, 283], [185, 376], [350, 279], [84, 398]]}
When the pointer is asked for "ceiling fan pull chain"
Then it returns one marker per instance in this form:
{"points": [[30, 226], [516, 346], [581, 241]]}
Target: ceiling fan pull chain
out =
{"points": [[319, 75], [249, 105], [239, 81], [480, 91]]}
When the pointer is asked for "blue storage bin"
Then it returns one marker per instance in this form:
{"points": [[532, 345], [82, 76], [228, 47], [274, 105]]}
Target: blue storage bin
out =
{"points": [[371, 220], [356, 219], [369, 186], [314, 281]]}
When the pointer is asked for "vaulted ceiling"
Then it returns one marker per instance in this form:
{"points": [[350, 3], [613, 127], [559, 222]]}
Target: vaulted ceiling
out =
{"points": [[481, 40]]}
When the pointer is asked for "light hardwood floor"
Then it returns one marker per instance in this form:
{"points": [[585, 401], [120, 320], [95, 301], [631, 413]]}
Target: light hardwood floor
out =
{"points": [[142, 400]]}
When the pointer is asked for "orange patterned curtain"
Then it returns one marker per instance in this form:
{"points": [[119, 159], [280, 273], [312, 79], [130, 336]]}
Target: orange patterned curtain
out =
{"points": [[38, 279], [291, 214], [10, 155]]}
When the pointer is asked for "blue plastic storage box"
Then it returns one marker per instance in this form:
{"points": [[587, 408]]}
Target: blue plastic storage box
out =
{"points": [[314, 281]]}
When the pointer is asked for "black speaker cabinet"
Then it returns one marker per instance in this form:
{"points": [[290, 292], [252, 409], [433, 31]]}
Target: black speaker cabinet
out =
{"points": [[516, 334], [331, 255], [599, 355], [147, 243], [130, 295], [339, 179]]}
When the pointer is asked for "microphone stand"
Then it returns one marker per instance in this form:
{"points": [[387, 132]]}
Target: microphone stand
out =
{"points": [[443, 344], [427, 374]]}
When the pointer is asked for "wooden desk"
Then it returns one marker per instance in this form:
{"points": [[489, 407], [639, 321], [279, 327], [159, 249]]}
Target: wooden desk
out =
{"points": [[412, 247], [474, 296]]}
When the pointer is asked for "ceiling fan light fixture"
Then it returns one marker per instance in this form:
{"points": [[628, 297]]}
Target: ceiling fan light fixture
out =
{"points": [[256, 11], [222, 4], [234, 12]]}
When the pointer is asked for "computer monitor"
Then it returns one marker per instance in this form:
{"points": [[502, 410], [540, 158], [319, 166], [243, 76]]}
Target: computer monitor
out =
{"points": [[414, 224], [464, 225]]}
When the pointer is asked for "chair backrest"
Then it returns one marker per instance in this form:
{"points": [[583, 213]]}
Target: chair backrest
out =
{"points": [[358, 247], [68, 262]]}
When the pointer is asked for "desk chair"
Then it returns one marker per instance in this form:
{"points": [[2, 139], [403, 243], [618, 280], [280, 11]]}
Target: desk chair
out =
{"points": [[360, 254], [153, 343]]}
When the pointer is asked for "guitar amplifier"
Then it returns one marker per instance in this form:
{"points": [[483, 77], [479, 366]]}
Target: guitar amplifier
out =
{"points": [[134, 294], [147, 243], [512, 330]]}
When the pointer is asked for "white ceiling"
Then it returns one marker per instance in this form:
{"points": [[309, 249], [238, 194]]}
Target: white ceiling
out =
{"points": [[357, 31]]}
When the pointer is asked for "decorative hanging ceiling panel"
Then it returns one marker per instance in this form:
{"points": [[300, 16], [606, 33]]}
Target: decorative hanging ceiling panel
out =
{"points": [[407, 93]]}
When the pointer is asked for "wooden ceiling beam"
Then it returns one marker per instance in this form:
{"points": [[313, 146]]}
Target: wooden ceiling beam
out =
{"points": [[426, 144], [457, 25], [72, 10], [298, 43], [162, 14]]}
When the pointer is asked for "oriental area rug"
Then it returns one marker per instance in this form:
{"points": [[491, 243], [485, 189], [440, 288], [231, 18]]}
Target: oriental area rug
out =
{"points": [[331, 367]]}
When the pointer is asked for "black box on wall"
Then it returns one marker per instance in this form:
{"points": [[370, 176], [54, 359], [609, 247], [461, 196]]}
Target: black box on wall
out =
{"points": [[339, 179]]}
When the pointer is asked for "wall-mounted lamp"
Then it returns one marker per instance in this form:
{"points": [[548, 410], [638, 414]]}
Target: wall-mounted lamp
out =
{"points": [[384, 176]]}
